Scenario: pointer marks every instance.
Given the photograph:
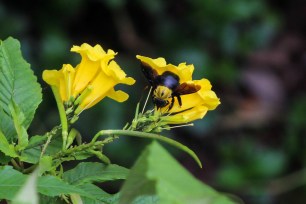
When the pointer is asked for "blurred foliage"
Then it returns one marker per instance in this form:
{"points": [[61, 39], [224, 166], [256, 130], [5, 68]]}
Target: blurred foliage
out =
{"points": [[220, 38]]}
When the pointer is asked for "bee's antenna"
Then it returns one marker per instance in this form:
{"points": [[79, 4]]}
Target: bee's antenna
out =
{"points": [[145, 104]]}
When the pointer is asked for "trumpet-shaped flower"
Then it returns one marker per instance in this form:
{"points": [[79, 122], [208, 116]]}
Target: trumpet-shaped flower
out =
{"points": [[93, 60], [93, 78], [160, 66], [61, 79], [194, 105], [103, 85]]}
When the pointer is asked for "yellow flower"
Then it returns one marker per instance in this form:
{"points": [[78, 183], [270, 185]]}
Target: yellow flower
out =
{"points": [[195, 105], [93, 60], [182, 70], [93, 79], [62, 79], [103, 85]]}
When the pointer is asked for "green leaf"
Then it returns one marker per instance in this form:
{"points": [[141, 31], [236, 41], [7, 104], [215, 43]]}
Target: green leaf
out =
{"points": [[37, 140], [5, 147], [156, 173], [102, 197], [18, 120], [28, 193], [6, 123], [31, 155], [18, 84], [51, 200], [87, 172], [45, 164], [4, 159], [99, 196], [53, 186], [10, 182], [32, 152]]}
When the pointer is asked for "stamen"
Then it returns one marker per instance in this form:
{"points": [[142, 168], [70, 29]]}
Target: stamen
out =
{"points": [[68, 85], [151, 111], [78, 111], [145, 104], [178, 126]]}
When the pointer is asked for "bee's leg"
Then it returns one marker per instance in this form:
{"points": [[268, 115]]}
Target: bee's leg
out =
{"points": [[171, 104], [179, 99]]}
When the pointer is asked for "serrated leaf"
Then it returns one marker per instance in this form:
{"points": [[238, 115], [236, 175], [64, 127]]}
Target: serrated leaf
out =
{"points": [[32, 153], [45, 164], [10, 182], [5, 147], [36, 141], [28, 193], [4, 159], [18, 120], [99, 195], [6, 123], [53, 186], [50, 200], [157, 173], [87, 172], [18, 84]]}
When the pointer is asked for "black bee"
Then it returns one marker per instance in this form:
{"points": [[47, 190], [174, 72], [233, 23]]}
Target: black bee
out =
{"points": [[166, 86]]}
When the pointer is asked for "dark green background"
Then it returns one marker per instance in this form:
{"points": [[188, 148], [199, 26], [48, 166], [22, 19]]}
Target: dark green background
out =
{"points": [[252, 51]]}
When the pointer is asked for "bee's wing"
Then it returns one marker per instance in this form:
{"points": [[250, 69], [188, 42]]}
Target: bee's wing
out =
{"points": [[149, 73], [186, 88]]}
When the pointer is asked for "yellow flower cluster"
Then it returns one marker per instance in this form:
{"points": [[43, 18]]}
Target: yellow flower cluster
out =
{"points": [[194, 105], [93, 78]]}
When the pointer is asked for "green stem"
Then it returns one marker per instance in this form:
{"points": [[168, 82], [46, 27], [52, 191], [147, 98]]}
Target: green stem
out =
{"points": [[30, 169], [62, 113], [15, 164], [49, 136], [151, 136], [83, 148]]}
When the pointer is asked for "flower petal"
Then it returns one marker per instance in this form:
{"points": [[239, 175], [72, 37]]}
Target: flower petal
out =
{"points": [[62, 79], [183, 71], [92, 57], [51, 77], [205, 96], [103, 85], [119, 96], [113, 70], [187, 116]]}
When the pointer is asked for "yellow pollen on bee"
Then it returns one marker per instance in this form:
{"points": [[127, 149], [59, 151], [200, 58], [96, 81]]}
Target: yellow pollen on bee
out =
{"points": [[162, 92]]}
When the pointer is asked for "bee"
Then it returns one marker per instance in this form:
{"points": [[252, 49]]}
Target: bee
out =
{"points": [[167, 86]]}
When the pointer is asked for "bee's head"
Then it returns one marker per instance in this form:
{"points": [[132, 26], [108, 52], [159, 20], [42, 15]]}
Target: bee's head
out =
{"points": [[160, 102], [162, 92], [161, 96]]}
